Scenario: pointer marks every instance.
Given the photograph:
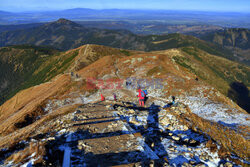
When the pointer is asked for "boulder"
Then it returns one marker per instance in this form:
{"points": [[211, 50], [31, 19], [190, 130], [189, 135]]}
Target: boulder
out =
{"points": [[176, 138]]}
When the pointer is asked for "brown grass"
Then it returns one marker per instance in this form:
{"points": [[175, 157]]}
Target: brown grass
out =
{"points": [[23, 156], [230, 141], [28, 131]]}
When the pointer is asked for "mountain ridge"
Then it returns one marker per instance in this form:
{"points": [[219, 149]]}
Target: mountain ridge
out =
{"points": [[72, 35], [69, 104]]}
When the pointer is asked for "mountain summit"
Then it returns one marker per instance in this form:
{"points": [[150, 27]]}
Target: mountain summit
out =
{"points": [[64, 21]]}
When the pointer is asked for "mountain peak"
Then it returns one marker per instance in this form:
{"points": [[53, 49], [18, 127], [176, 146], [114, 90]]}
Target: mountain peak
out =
{"points": [[64, 21]]}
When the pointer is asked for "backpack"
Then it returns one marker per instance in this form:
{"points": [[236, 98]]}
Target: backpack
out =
{"points": [[145, 92]]}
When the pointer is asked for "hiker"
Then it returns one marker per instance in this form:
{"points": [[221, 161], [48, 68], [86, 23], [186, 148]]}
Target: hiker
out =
{"points": [[141, 96], [146, 97], [114, 96], [102, 97], [170, 104]]}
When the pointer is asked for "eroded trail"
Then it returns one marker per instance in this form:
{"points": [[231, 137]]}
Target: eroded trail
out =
{"points": [[114, 133]]}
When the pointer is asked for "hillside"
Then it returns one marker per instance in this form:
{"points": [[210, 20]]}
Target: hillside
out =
{"points": [[235, 39], [63, 121], [25, 66], [64, 34], [18, 65]]}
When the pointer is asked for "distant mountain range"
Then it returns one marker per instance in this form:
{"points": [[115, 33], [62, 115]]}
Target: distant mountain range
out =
{"points": [[64, 34], [168, 16]]}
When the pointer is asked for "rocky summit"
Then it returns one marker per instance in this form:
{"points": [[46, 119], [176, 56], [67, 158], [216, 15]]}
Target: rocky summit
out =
{"points": [[88, 114]]}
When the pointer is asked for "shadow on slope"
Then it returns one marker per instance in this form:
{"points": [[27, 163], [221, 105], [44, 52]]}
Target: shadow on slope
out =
{"points": [[240, 94], [153, 149]]}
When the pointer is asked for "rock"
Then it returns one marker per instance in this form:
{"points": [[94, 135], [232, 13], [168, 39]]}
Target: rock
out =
{"points": [[137, 165], [170, 134], [170, 127], [183, 110], [191, 155], [210, 159], [185, 164], [185, 127], [186, 140], [176, 138], [51, 138], [200, 165], [192, 162], [166, 164], [79, 147], [165, 121], [131, 111], [151, 164], [202, 157], [177, 112], [189, 149], [193, 141], [171, 148], [228, 164]]}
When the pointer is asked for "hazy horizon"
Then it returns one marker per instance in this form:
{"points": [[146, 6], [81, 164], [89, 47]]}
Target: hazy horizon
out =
{"points": [[179, 10], [240, 6]]}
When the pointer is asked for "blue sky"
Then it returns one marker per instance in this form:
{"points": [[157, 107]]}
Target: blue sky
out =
{"points": [[200, 5]]}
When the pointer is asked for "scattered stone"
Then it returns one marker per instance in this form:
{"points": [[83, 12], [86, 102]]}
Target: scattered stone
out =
{"points": [[166, 164], [200, 165], [165, 121], [191, 155], [193, 141], [185, 127], [51, 138], [137, 165], [170, 127], [151, 163], [131, 111], [172, 149], [228, 164], [210, 159], [192, 162], [189, 149], [185, 164], [176, 138], [170, 134]]}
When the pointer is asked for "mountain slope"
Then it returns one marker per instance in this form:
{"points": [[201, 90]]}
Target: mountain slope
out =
{"points": [[235, 39], [26, 66], [18, 64], [64, 34], [65, 115]]}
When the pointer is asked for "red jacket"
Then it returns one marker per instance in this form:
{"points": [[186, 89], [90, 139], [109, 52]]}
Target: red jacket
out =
{"points": [[140, 94], [102, 97]]}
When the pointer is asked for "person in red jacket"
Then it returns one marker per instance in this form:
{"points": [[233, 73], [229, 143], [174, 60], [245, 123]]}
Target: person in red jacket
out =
{"points": [[102, 97], [141, 96]]}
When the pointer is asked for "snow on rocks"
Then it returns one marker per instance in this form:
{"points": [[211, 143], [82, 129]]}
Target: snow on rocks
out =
{"points": [[217, 112]]}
